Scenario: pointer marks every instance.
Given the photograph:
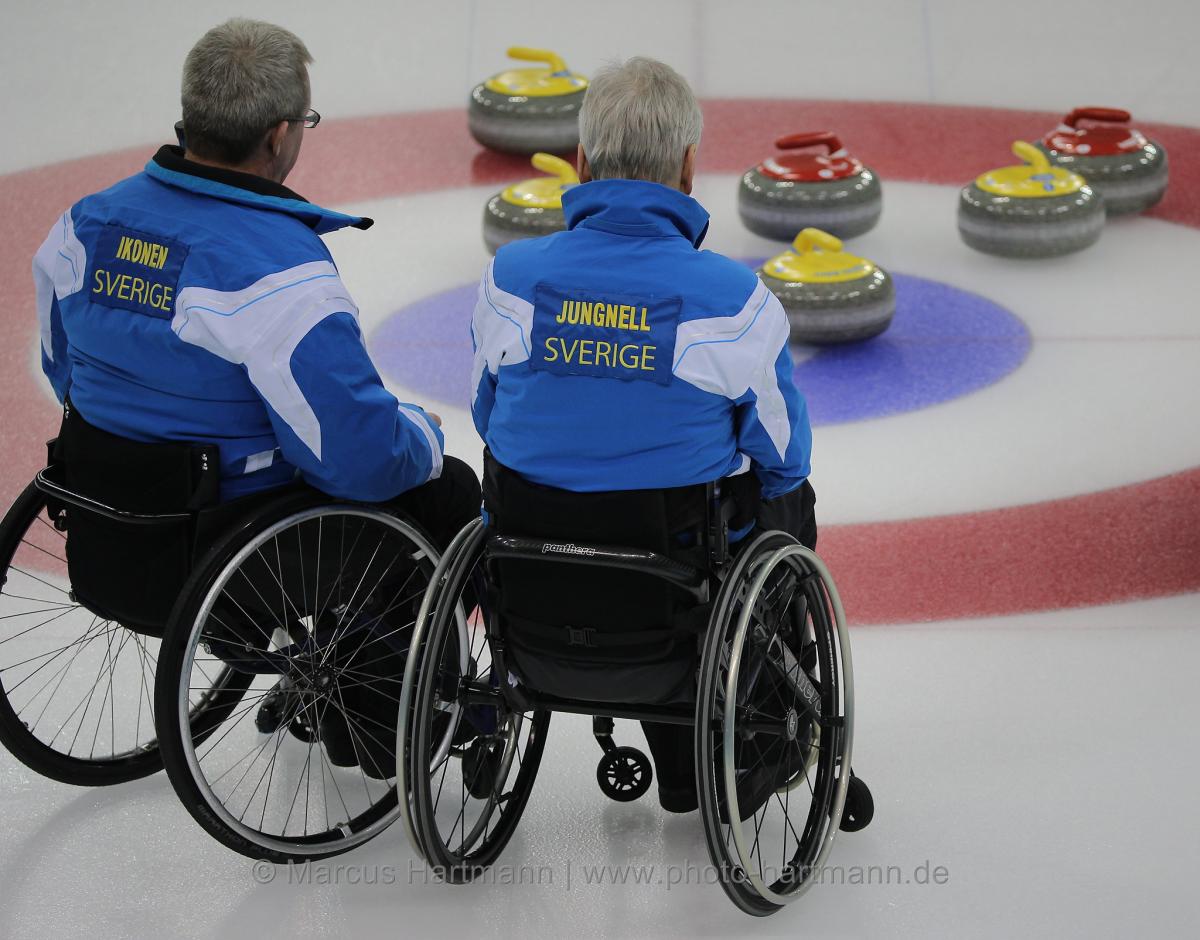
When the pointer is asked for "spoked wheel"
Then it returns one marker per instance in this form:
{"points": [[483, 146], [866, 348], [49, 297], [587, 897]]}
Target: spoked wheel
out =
{"points": [[465, 800], [314, 605], [76, 699], [774, 724]]}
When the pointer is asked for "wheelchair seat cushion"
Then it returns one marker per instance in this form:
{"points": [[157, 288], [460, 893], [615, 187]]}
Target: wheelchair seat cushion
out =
{"points": [[123, 571], [604, 635]]}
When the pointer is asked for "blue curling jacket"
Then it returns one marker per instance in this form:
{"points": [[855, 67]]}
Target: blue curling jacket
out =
{"points": [[190, 303], [616, 355]]}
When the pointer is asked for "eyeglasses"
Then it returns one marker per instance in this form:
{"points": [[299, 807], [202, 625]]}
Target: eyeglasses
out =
{"points": [[311, 118]]}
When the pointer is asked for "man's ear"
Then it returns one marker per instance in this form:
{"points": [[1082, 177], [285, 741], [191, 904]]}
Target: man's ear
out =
{"points": [[687, 174], [584, 171], [275, 138]]}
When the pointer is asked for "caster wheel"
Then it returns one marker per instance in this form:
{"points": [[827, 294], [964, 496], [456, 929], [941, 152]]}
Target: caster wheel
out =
{"points": [[624, 774], [481, 766], [860, 806]]}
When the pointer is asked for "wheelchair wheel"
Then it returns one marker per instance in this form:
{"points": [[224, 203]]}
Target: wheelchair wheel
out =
{"points": [[774, 724], [75, 689], [452, 694], [624, 774], [314, 604]]}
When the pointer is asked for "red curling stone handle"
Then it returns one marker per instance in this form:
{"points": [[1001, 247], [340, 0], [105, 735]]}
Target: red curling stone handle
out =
{"points": [[815, 139], [1108, 115]]}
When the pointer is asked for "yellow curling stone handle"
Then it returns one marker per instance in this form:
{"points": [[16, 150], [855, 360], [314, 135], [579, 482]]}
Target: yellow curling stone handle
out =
{"points": [[555, 166], [554, 78], [526, 54], [1037, 160], [544, 192], [817, 257], [1036, 178], [811, 238]]}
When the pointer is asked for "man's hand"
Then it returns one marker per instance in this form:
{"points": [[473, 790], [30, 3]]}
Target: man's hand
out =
{"points": [[436, 419]]}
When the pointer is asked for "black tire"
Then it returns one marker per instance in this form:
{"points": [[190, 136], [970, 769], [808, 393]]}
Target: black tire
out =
{"points": [[776, 619], [27, 534], [433, 690], [624, 774], [334, 634]]}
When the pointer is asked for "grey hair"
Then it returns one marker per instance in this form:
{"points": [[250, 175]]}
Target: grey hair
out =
{"points": [[242, 78], [637, 120]]}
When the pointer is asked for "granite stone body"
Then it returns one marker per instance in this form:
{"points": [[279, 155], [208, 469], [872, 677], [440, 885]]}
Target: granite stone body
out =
{"points": [[1030, 227], [504, 222], [778, 209], [521, 124], [1129, 182], [836, 312]]}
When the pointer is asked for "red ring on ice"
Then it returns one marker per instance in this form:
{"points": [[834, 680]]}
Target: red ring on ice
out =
{"points": [[1136, 541]]}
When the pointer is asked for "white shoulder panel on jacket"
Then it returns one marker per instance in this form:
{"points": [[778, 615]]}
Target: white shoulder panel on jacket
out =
{"points": [[729, 356], [260, 327], [501, 326], [59, 268]]}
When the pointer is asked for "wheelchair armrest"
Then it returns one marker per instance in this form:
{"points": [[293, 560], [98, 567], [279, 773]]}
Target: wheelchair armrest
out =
{"points": [[46, 483], [680, 574]]}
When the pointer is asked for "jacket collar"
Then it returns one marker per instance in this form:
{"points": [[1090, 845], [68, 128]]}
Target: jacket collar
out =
{"points": [[637, 208], [170, 167]]}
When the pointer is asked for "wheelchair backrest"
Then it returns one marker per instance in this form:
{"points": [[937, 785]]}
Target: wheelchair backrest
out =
{"points": [[125, 565], [568, 624]]}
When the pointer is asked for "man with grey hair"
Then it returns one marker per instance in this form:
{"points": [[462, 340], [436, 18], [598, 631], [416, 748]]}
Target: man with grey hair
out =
{"points": [[196, 301], [618, 356]]}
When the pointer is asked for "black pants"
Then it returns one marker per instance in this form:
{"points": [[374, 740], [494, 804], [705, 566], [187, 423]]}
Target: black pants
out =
{"points": [[673, 746], [443, 506]]}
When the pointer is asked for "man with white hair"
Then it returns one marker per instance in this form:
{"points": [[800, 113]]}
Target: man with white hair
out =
{"points": [[618, 356]]}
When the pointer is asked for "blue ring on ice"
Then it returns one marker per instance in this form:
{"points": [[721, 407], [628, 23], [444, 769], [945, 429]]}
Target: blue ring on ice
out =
{"points": [[944, 343]]}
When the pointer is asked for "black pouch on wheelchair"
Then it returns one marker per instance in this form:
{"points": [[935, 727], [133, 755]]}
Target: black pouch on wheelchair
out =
{"points": [[582, 633], [121, 570]]}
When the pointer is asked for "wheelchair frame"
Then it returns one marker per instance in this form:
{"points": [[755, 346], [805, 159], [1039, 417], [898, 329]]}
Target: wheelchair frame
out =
{"points": [[44, 499], [749, 572], [181, 716]]}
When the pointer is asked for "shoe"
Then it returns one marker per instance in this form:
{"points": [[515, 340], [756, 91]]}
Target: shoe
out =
{"points": [[681, 800], [860, 805], [277, 707]]}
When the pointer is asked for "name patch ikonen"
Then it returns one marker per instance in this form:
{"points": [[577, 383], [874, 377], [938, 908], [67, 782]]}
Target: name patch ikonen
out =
{"points": [[136, 271], [603, 334]]}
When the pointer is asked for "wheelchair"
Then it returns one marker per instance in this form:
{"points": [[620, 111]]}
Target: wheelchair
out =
{"points": [[606, 605], [253, 648]]}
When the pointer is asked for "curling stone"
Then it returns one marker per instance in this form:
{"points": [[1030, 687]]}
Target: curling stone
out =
{"points": [[530, 208], [830, 296], [803, 188], [1030, 211], [528, 109], [1119, 162]]}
